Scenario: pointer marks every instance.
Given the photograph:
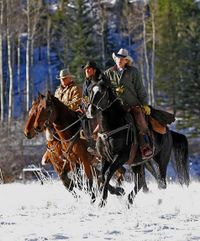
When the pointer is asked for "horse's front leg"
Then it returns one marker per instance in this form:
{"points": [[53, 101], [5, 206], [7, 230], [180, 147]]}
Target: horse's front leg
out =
{"points": [[111, 170]]}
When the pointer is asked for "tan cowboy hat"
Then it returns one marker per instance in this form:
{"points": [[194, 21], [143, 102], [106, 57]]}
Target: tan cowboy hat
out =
{"points": [[122, 53], [63, 74]]}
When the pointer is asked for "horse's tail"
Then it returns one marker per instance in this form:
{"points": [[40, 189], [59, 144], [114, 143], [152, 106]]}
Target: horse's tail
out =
{"points": [[180, 149]]}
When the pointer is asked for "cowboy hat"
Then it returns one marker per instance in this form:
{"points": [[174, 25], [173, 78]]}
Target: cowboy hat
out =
{"points": [[63, 74], [89, 64], [122, 53]]}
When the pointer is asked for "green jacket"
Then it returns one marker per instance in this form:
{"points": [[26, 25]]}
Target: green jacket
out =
{"points": [[130, 81]]}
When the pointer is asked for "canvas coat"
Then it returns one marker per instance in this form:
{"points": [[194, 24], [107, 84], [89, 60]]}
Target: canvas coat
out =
{"points": [[70, 95], [129, 80]]}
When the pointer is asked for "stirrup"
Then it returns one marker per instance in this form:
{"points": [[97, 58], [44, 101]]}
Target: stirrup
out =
{"points": [[147, 156]]}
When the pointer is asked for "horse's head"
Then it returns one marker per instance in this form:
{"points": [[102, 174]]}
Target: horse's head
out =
{"points": [[45, 114], [29, 130], [101, 98]]}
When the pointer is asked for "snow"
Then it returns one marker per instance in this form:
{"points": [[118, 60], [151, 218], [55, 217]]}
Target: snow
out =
{"points": [[35, 212]]}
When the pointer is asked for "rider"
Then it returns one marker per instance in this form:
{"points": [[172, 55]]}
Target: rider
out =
{"points": [[68, 92], [92, 76], [128, 85]]}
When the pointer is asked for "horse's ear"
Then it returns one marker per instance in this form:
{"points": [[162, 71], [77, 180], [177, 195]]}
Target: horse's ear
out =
{"points": [[49, 95], [40, 95]]}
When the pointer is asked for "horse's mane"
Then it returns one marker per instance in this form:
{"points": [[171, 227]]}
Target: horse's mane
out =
{"points": [[65, 109], [115, 115], [103, 85], [65, 114]]}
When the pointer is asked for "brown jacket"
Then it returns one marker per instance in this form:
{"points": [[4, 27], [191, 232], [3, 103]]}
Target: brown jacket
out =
{"points": [[70, 95]]}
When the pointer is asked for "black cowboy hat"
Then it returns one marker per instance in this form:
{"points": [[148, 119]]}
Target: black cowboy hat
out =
{"points": [[90, 64]]}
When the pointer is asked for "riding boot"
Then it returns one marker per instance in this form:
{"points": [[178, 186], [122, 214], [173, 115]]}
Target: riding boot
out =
{"points": [[145, 146], [145, 142]]}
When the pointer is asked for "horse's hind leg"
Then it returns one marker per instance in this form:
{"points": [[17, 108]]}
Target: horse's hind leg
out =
{"points": [[145, 187], [162, 160]]}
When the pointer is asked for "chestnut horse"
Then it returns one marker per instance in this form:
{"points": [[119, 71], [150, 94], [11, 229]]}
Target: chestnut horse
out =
{"points": [[53, 154], [29, 130], [66, 129]]}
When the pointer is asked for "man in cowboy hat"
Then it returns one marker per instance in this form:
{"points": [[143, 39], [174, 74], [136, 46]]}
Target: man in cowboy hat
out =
{"points": [[68, 92], [92, 76], [128, 85]]}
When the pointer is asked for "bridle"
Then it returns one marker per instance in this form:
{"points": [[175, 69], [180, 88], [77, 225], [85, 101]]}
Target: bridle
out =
{"points": [[98, 107], [48, 124]]}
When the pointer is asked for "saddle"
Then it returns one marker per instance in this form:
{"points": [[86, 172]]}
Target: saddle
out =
{"points": [[159, 120]]}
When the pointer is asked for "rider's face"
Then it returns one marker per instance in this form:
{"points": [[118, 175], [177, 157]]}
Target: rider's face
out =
{"points": [[121, 62], [89, 72], [66, 81]]}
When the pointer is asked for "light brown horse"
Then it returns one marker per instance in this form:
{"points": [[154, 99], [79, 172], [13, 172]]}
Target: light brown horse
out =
{"points": [[67, 125], [29, 130], [53, 154]]}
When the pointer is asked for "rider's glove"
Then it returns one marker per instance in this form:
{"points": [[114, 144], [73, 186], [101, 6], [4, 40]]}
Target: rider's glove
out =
{"points": [[146, 109], [120, 89]]}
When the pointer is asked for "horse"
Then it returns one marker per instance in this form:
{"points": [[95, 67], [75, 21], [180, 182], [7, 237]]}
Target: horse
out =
{"points": [[54, 147], [67, 125], [54, 153], [114, 142], [29, 130], [55, 156]]}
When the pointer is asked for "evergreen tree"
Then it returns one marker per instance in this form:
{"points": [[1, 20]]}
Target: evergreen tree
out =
{"points": [[82, 43], [178, 57]]}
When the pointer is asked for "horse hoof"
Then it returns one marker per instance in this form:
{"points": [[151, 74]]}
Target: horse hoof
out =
{"points": [[102, 203], [120, 191], [131, 197], [93, 198], [145, 189], [162, 185], [75, 195]]}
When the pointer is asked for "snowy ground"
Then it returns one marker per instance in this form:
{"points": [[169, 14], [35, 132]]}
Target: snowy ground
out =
{"points": [[35, 212]]}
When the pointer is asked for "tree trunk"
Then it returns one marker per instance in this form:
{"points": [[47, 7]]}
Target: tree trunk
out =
{"points": [[103, 22], [1, 61], [146, 61], [50, 80], [152, 96], [10, 71], [28, 58], [18, 63]]}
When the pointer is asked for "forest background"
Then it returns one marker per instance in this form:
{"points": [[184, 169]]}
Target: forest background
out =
{"points": [[40, 37]]}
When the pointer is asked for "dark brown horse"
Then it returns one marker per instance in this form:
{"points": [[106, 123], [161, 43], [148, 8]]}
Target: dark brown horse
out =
{"points": [[116, 135]]}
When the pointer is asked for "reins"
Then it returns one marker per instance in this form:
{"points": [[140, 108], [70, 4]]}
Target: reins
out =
{"points": [[69, 126], [106, 135]]}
